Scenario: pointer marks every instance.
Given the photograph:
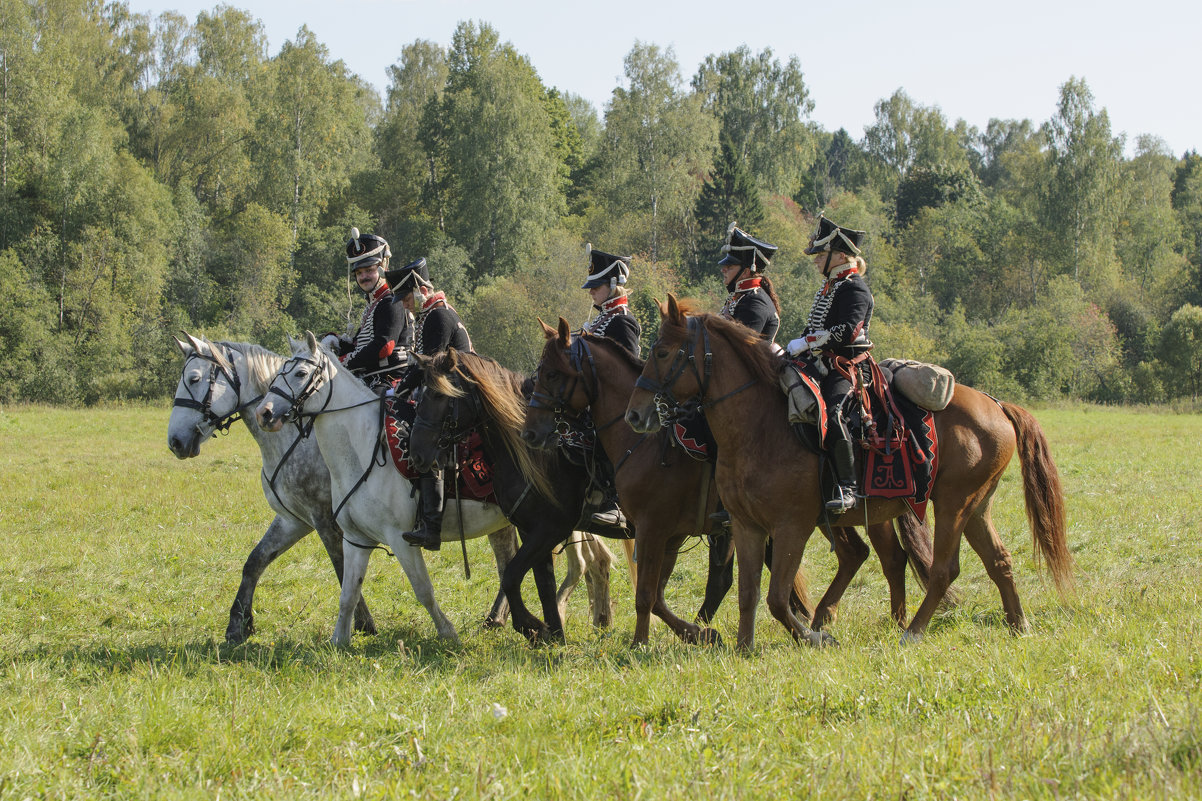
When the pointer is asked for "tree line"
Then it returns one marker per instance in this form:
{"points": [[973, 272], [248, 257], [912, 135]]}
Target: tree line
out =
{"points": [[159, 174]]}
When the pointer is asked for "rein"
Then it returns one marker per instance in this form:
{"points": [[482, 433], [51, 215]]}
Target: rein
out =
{"points": [[667, 406]]}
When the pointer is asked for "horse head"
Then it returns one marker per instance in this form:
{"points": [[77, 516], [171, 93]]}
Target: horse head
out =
{"points": [[671, 375], [207, 399], [559, 389], [299, 381], [446, 410]]}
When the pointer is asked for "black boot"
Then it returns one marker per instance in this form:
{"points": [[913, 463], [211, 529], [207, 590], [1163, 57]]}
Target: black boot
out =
{"points": [[844, 495], [428, 534], [609, 513]]}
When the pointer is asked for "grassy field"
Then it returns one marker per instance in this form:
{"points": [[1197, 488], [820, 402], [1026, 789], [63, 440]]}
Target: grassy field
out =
{"points": [[122, 562]]}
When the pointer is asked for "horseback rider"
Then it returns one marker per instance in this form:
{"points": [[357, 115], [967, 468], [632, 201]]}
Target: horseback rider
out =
{"points": [[437, 327], [607, 275], [751, 301], [837, 329], [376, 353]]}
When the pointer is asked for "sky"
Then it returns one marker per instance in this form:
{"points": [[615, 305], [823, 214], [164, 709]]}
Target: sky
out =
{"points": [[975, 61]]}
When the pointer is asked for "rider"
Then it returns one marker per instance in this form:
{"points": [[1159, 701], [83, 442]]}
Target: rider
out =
{"points": [[838, 329], [606, 275], [376, 353], [438, 327], [752, 300]]}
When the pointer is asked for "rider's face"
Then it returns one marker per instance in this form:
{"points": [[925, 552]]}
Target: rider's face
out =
{"points": [[367, 277], [599, 294]]}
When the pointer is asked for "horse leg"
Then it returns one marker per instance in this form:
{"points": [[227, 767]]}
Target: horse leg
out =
{"points": [[688, 632], [786, 560], [414, 564], [596, 579], [945, 566], [574, 563], [893, 559], [719, 578], [632, 562], [282, 534], [331, 538], [851, 551], [504, 544], [354, 568], [983, 538], [544, 583], [523, 622], [749, 549], [799, 599]]}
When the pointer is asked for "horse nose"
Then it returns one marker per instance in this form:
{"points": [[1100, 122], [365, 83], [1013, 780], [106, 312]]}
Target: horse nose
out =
{"points": [[632, 418], [528, 436]]}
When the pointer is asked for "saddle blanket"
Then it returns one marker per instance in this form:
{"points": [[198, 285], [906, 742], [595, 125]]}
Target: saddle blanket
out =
{"points": [[475, 471], [899, 464]]}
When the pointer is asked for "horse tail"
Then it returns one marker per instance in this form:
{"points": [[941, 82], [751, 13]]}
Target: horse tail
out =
{"points": [[1044, 497], [915, 538], [802, 590]]}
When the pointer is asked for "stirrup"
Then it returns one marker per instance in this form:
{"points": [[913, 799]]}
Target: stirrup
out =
{"points": [[609, 517], [844, 499], [721, 518]]}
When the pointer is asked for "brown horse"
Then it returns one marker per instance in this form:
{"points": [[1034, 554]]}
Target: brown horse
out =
{"points": [[595, 374], [770, 482]]}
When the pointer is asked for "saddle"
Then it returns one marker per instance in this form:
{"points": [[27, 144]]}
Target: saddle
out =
{"points": [[475, 470], [898, 449]]}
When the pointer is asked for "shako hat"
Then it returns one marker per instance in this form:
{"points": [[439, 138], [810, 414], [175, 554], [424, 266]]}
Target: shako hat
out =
{"points": [[366, 250], [743, 249], [605, 268], [829, 236], [403, 280]]}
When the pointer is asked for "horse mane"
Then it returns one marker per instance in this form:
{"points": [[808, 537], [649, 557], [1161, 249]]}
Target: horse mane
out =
{"points": [[261, 363], [613, 347], [501, 393], [751, 349]]}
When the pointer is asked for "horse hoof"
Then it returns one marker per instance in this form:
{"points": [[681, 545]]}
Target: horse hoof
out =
{"points": [[820, 639], [235, 637], [908, 637], [709, 638], [493, 623], [367, 627]]}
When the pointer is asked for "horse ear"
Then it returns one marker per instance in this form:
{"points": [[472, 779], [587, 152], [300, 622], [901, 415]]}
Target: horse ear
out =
{"points": [[673, 313], [548, 331], [196, 343], [311, 341], [184, 349], [295, 345], [565, 333]]}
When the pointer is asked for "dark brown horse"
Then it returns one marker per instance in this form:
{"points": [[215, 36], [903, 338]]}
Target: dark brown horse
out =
{"points": [[669, 495], [770, 482]]}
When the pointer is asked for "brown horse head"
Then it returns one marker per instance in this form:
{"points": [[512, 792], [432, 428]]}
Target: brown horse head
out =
{"points": [[558, 390]]}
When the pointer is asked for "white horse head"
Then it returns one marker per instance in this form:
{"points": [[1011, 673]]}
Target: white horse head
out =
{"points": [[303, 384], [208, 397]]}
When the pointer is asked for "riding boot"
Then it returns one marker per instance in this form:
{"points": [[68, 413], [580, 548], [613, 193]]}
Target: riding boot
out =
{"points": [[428, 534], [721, 516], [609, 513], [844, 495]]}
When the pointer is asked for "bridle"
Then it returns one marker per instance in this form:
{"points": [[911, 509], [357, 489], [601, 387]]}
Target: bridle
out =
{"points": [[667, 406], [204, 405], [451, 429], [579, 352], [297, 399]]}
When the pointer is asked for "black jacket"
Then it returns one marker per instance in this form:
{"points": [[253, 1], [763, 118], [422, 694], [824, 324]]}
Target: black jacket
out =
{"points": [[845, 310], [754, 309], [384, 334], [617, 323]]}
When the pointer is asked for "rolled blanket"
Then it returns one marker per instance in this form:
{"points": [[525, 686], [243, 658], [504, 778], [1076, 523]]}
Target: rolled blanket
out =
{"points": [[929, 386]]}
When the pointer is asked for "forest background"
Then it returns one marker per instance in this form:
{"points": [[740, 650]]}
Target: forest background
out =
{"points": [[159, 174]]}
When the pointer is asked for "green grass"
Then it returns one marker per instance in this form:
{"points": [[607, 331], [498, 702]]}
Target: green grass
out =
{"points": [[120, 564]]}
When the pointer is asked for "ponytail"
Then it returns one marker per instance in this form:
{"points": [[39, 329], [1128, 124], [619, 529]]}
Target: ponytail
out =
{"points": [[766, 284]]}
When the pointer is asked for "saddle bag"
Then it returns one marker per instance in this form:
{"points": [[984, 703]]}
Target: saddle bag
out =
{"points": [[929, 386], [803, 405]]}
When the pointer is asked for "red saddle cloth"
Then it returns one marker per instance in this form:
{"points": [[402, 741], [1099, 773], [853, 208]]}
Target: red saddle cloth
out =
{"points": [[901, 457], [475, 471]]}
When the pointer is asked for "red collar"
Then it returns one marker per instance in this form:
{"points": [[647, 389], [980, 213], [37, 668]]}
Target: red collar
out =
{"points": [[612, 304], [747, 284], [437, 297], [839, 276], [380, 291]]}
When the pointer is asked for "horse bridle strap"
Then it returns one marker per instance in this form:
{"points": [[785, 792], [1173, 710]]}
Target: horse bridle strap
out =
{"points": [[205, 405], [667, 406]]}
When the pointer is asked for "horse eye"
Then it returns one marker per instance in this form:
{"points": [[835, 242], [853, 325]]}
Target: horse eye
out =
{"points": [[194, 379], [661, 353], [552, 375]]}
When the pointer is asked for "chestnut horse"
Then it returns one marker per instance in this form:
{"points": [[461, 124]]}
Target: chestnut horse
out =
{"points": [[771, 483], [657, 484]]}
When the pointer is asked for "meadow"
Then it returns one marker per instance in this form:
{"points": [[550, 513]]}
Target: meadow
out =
{"points": [[121, 563]]}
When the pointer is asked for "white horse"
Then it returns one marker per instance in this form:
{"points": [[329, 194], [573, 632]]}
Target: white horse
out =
{"points": [[373, 502], [219, 383]]}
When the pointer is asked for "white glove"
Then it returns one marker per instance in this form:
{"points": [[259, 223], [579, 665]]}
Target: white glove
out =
{"points": [[817, 339], [796, 346], [330, 341]]}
